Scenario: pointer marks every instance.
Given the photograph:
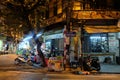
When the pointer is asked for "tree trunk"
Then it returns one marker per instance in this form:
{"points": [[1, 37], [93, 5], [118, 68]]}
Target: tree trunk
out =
{"points": [[41, 55]]}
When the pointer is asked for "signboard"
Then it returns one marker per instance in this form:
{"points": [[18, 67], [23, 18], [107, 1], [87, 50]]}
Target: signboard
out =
{"points": [[71, 34], [101, 29], [54, 36]]}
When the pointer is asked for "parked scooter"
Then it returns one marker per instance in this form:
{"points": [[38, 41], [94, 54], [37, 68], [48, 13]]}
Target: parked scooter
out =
{"points": [[95, 64], [90, 64], [22, 57], [20, 60], [30, 59]]}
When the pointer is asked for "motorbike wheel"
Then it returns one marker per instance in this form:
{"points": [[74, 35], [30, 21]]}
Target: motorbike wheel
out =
{"points": [[98, 69], [16, 61], [29, 62]]}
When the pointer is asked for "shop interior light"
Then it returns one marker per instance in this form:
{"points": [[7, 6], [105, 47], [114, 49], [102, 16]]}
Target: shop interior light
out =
{"points": [[95, 37], [27, 38], [24, 45], [40, 33]]}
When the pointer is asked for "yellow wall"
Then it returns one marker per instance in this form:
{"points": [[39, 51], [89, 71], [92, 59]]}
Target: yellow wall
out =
{"points": [[51, 7]]}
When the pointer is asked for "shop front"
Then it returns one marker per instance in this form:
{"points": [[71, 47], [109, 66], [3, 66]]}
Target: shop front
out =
{"points": [[54, 46], [101, 45]]}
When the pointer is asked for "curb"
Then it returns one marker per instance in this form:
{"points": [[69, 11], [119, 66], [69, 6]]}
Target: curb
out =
{"points": [[109, 72]]}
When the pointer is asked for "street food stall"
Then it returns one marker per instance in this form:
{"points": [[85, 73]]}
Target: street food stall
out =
{"points": [[55, 63]]}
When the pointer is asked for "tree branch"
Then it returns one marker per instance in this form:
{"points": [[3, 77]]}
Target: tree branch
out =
{"points": [[38, 3]]}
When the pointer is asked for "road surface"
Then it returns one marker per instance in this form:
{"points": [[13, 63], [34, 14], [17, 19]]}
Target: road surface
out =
{"points": [[9, 71]]}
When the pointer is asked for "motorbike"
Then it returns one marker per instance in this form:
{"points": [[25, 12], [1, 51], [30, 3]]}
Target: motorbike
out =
{"points": [[95, 64], [91, 64], [24, 59], [20, 60]]}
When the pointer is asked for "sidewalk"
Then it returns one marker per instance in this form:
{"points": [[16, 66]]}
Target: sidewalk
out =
{"points": [[105, 69], [7, 62], [110, 68]]}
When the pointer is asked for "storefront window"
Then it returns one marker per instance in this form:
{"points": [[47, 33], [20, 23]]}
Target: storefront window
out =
{"points": [[48, 45], [54, 46], [99, 43]]}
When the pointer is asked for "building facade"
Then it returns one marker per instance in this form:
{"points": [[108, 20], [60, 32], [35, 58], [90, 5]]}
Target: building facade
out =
{"points": [[90, 25]]}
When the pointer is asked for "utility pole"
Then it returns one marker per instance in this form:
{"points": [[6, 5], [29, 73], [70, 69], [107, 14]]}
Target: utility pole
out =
{"points": [[68, 13], [68, 9]]}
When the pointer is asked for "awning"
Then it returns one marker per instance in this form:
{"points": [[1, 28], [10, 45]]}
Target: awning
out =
{"points": [[101, 29]]}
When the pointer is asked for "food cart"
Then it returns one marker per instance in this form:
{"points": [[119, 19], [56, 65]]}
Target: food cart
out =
{"points": [[55, 63]]}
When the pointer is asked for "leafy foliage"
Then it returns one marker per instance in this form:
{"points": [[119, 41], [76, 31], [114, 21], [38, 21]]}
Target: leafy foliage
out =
{"points": [[22, 12], [23, 16]]}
